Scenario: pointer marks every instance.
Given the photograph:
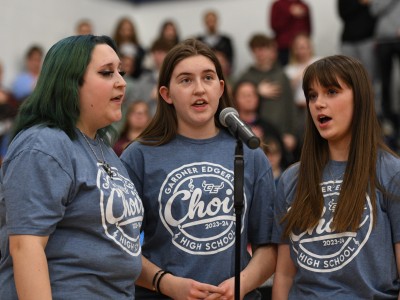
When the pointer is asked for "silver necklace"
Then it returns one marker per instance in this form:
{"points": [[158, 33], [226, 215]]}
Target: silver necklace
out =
{"points": [[103, 162]]}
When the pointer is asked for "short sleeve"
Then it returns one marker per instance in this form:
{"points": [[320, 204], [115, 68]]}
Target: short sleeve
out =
{"points": [[36, 190], [261, 210], [393, 202]]}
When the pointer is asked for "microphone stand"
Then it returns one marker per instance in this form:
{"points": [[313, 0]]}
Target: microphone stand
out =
{"points": [[238, 204]]}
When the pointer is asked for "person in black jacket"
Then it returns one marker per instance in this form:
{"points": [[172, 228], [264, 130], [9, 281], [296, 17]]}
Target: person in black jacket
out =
{"points": [[216, 40]]}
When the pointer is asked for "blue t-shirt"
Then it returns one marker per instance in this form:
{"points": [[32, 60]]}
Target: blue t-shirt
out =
{"points": [[53, 186], [187, 190], [345, 265]]}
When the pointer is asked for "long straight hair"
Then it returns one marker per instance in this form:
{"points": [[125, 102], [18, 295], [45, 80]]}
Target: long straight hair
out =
{"points": [[55, 99], [360, 175], [164, 125]]}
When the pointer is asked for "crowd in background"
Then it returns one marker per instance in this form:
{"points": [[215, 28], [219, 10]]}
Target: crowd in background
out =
{"points": [[268, 93]]}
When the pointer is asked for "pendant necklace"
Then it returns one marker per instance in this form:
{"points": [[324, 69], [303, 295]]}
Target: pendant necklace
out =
{"points": [[103, 162]]}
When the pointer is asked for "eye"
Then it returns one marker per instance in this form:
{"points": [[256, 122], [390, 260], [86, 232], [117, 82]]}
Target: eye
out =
{"points": [[332, 91], [209, 77], [312, 96], [106, 73], [185, 80], [122, 73]]}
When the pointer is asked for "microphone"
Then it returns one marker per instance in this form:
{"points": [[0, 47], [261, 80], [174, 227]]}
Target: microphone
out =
{"points": [[229, 117]]}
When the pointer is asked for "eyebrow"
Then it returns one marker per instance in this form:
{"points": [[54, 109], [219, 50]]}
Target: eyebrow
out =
{"points": [[204, 71], [111, 65]]}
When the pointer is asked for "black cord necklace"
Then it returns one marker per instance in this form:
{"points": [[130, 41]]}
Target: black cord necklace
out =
{"points": [[103, 162]]}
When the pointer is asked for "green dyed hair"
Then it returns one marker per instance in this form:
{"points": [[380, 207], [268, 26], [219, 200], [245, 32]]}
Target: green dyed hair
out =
{"points": [[55, 99]]}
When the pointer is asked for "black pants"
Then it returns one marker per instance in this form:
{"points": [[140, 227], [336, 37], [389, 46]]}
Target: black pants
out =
{"points": [[387, 51]]}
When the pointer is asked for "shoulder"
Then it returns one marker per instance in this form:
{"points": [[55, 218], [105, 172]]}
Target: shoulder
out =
{"points": [[51, 141], [388, 166], [289, 176]]}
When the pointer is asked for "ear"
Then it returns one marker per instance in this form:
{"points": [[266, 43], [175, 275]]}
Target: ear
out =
{"points": [[221, 88], [164, 92]]}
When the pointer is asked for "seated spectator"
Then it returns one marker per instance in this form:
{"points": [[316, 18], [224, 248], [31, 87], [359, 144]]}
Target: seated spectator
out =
{"points": [[277, 105], [145, 87], [137, 118], [25, 81], [8, 111], [246, 100], [126, 38]]}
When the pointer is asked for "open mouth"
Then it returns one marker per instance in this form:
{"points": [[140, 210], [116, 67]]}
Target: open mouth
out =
{"points": [[324, 119], [199, 103], [117, 98]]}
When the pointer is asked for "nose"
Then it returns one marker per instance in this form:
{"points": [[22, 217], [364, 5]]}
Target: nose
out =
{"points": [[320, 102], [120, 82], [199, 87]]}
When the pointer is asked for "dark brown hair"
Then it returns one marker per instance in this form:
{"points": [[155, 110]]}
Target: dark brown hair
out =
{"points": [[360, 174], [164, 125]]}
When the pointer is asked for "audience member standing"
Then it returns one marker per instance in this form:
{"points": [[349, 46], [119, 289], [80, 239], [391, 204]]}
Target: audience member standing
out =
{"points": [[387, 36], [287, 19], [169, 31], [277, 104], [301, 55], [357, 38], [25, 82], [126, 38], [84, 27], [215, 39]]}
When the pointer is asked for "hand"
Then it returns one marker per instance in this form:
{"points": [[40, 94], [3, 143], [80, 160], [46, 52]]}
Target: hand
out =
{"points": [[189, 289], [228, 292], [269, 89]]}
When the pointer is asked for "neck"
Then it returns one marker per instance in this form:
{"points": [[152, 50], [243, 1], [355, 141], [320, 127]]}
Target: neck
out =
{"points": [[86, 130], [265, 66], [199, 133], [339, 152]]}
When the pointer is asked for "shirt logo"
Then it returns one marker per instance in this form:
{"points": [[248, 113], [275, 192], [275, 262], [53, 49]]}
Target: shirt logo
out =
{"points": [[322, 250], [196, 207], [121, 210]]}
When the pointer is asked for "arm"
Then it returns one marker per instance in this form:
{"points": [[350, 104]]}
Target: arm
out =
{"points": [[260, 268], [285, 272], [177, 288], [397, 251], [31, 273], [380, 7]]}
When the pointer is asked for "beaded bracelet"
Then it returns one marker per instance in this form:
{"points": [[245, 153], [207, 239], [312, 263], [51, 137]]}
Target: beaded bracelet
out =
{"points": [[159, 280], [155, 278]]}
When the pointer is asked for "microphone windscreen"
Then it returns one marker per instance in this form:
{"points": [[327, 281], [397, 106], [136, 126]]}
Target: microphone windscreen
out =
{"points": [[225, 112]]}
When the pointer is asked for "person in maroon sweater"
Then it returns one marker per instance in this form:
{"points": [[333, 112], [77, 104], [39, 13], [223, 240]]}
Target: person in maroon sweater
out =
{"points": [[288, 18]]}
